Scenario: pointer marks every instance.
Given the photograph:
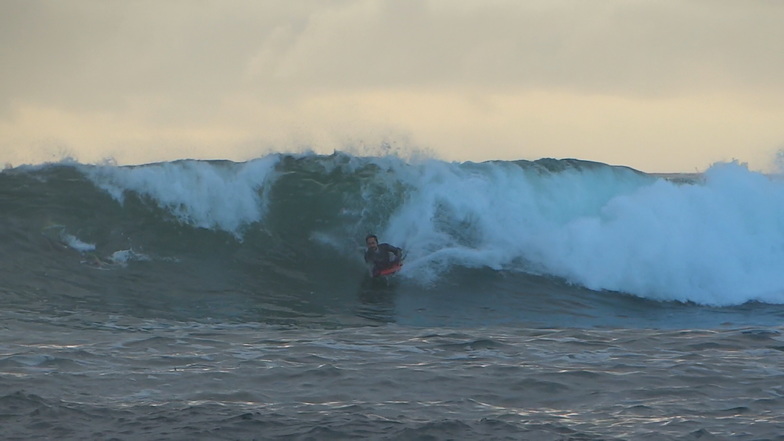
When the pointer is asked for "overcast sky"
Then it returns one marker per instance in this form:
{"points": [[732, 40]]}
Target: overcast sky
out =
{"points": [[659, 85]]}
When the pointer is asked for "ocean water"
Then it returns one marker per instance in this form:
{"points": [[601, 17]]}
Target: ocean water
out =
{"points": [[543, 300]]}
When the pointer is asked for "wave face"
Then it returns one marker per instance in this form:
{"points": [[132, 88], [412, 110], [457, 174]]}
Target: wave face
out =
{"points": [[292, 227]]}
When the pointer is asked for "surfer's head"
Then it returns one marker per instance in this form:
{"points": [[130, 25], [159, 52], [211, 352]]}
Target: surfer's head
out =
{"points": [[372, 241]]}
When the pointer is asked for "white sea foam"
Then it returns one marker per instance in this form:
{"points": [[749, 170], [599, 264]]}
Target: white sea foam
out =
{"points": [[76, 243], [58, 233], [207, 195], [719, 242]]}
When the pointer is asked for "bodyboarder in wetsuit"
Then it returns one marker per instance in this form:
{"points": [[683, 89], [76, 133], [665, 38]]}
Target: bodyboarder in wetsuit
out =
{"points": [[382, 256]]}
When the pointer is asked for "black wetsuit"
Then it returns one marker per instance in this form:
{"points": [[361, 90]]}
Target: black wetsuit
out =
{"points": [[380, 257]]}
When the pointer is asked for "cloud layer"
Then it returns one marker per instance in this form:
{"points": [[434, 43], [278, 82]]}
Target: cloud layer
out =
{"points": [[656, 85]]}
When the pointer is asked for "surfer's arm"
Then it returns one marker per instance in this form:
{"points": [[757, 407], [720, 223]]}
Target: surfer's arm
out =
{"points": [[398, 252]]}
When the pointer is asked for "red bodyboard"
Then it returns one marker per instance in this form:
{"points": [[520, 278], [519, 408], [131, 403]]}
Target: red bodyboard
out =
{"points": [[391, 270]]}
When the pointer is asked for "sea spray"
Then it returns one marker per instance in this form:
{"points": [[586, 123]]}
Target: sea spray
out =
{"points": [[219, 195]]}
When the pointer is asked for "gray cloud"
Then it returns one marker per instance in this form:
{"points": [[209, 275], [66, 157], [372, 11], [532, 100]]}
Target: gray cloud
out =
{"points": [[559, 77], [594, 47], [96, 54]]}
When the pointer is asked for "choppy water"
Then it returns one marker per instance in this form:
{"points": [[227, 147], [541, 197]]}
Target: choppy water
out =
{"points": [[548, 300]]}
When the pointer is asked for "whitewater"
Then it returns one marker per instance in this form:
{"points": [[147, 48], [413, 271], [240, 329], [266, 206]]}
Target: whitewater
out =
{"points": [[715, 241], [547, 299]]}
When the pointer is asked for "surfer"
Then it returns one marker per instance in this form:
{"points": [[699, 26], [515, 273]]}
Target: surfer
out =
{"points": [[382, 256]]}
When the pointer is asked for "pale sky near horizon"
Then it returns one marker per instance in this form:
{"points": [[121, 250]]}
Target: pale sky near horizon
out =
{"points": [[658, 85]]}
